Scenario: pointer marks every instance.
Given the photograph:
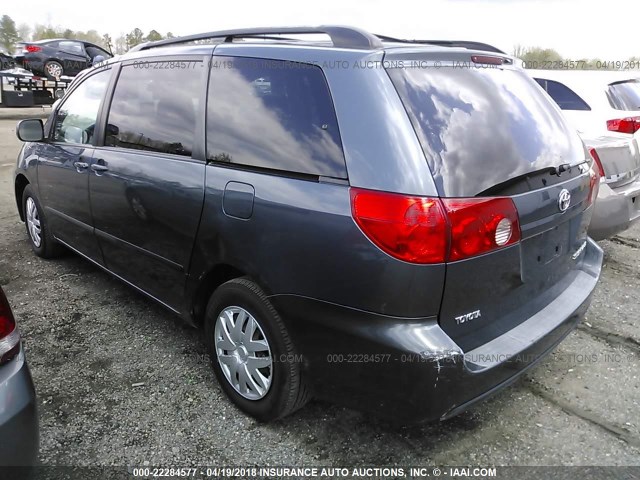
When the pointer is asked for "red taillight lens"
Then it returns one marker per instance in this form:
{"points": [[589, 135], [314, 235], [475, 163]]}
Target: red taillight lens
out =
{"points": [[32, 48], [413, 229], [596, 159], [432, 230], [487, 60], [594, 184], [9, 336], [479, 225], [624, 125]]}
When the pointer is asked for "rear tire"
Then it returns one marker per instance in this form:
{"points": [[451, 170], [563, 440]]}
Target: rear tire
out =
{"points": [[42, 242], [53, 70], [255, 363]]}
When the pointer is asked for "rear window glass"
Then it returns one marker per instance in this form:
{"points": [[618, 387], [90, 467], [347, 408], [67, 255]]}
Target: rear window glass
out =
{"points": [[566, 98], [273, 114], [625, 95], [480, 127]]}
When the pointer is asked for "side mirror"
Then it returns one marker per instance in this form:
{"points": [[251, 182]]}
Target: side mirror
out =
{"points": [[30, 130], [112, 130], [58, 94]]}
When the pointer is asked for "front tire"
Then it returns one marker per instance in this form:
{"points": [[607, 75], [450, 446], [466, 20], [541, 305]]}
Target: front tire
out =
{"points": [[42, 242], [252, 353]]}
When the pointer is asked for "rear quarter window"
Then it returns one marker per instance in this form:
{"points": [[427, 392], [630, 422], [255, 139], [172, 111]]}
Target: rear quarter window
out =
{"points": [[274, 115]]}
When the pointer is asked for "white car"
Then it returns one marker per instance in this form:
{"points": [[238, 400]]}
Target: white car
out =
{"points": [[604, 106]]}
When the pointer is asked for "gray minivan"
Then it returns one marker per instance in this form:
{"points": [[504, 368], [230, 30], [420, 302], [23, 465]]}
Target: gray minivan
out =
{"points": [[395, 226]]}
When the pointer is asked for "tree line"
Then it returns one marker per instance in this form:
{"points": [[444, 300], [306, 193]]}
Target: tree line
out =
{"points": [[10, 34], [533, 57]]}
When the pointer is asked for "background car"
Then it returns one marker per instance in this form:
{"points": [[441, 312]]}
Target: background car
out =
{"points": [[19, 428], [58, 57], [605, 109]]}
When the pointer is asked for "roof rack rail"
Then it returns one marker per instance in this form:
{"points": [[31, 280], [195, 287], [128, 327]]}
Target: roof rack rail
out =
{"points": [[341, 37], [447, 43]]}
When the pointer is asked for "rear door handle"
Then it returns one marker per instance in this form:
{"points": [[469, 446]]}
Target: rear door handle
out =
{"points": [[80, 166], [99, 168]]}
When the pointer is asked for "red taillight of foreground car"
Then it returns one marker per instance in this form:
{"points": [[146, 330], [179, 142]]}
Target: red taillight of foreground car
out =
{"points": [[428, 230], [32, 48], [624, 125], [9, 336]]}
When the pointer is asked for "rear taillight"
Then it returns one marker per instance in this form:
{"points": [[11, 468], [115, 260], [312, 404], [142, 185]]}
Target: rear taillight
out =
{"points": [[32, 48], [598, 163], [624, 125], [480, 225], [432, 230], [413, 229], [9, 336]]}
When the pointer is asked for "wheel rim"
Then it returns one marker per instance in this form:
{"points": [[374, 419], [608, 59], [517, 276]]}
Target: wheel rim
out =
{"points": [[33, 222], [243, 353], [54, 69]]}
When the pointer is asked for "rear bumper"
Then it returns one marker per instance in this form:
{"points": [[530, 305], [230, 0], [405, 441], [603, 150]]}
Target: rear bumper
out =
{"points": [[19, 428], [615, 210], [409, 370]]}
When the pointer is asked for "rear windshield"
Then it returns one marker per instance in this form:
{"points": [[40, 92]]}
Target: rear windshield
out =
{"points": [[625, 95], [480, 127]]}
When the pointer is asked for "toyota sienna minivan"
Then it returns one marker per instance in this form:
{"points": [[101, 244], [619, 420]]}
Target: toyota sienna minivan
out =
{"points": [[392, 225]]}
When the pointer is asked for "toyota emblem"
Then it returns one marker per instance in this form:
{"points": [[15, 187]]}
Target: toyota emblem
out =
{"points": [[564, 200]]}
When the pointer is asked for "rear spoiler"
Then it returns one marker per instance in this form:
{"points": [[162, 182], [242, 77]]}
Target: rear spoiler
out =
{"points": [[447, 43]]}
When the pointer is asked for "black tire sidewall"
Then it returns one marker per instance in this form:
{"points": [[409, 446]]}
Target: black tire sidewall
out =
{"points": [[285, 373]]}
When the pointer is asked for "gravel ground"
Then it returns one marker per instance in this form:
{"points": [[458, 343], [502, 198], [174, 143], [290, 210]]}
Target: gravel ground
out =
{"points": [[90, 339]]}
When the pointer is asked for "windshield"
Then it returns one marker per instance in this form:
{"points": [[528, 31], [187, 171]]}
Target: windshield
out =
{"points": [[480, 127], [625, 95]]}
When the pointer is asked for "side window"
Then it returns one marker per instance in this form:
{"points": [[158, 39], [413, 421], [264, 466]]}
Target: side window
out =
{"points": [[155, 105], [566, 98], [273, 114], [95, 51], [76, 118], [71, 47]]}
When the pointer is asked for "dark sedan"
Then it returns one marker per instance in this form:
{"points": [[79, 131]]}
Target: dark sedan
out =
{"points": [[19, 431], [57, 57]]}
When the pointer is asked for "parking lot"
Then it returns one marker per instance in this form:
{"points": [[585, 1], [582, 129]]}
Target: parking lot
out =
{"points": [[123, 382]]}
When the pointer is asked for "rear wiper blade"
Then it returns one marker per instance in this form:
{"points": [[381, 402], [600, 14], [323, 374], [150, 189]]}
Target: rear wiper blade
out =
{"points": [[566, 167]]}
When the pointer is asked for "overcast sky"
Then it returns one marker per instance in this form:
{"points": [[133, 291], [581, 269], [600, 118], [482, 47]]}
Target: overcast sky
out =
{"points": [[577, 29]]}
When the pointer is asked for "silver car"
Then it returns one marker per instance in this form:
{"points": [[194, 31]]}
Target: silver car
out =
{"points": [[605, 109], [618, 202]]}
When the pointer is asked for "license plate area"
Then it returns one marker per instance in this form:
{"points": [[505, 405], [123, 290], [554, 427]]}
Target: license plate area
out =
{"points": [[547, 256]]}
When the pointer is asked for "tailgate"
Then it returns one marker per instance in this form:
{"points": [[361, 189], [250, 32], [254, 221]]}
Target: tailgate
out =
{"points": [[491, 131], [508, 286]]}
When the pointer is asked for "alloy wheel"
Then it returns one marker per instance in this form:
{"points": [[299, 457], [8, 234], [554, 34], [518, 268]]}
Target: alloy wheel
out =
{"points": [[243, 353], [54, 70], [33, 222]]}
